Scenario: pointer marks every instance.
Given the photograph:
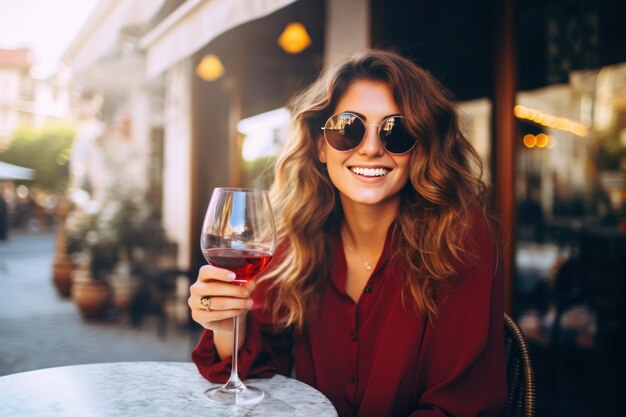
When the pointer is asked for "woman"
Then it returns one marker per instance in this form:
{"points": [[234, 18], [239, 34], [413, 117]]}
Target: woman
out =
{"points": [[384, 293]]}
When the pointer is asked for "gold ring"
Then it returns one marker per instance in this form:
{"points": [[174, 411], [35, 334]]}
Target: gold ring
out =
{"points": [[206, 302]]}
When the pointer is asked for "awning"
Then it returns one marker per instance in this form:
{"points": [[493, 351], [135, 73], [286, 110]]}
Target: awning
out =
{"points": [[194, 24], [99, 35], [10, 172]]}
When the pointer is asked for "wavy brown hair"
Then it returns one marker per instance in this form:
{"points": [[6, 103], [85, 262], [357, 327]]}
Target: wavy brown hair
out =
{"points": [[445, 188]]}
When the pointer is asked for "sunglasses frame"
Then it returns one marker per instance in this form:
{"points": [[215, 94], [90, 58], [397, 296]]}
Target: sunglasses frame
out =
{"points": [[323, 128]]}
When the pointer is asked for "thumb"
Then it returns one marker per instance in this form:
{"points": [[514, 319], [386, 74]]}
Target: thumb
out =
{"points": [[250, 285]]}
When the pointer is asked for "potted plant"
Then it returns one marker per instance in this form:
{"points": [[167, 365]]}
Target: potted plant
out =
{"points": [[62, 266], [111, 242], [137, 228], [95, 251]]}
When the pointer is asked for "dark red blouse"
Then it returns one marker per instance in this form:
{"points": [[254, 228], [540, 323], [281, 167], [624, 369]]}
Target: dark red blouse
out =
{"points": [[378, 358]]}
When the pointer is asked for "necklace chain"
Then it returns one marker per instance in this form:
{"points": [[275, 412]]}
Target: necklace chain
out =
{"points": [[366, 264]]}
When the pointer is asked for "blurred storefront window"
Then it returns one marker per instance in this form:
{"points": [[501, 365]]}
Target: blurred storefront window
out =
{"points": [[264, 135], [571, 236]]}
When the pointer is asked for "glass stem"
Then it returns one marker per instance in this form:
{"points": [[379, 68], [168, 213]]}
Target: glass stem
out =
{"points": [[234, 382]]}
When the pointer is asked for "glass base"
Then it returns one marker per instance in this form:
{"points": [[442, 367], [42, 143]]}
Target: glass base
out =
{"points": [[241, 395]]}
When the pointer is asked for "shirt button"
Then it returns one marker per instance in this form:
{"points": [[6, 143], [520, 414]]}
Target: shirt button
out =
{"points": [[368, 289], [353, 335], [352, 380]]}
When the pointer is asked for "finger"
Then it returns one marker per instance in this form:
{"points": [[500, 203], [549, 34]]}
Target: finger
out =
{"points": [[217, 289], [250, 286], [227, 303], [203, 317], [220, 325], [210, 272], [221, 303]]}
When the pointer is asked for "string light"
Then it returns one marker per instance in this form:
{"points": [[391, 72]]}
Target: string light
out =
{"points": [[540, 141], [530, 141], [547, 120]]}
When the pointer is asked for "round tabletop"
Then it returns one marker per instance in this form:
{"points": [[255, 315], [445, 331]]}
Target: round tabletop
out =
{"points": [[145, 389]]}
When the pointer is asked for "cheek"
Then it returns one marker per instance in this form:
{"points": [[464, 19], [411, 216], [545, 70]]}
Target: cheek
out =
{"points": [[404, 176], [333, 166], [403, 163]]}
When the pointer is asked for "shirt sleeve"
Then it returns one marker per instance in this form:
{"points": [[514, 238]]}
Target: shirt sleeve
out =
{"points": [[265, 351], [461, 365]]}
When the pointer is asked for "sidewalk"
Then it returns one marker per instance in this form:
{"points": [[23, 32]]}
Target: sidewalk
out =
{"points": [[39, 329]]}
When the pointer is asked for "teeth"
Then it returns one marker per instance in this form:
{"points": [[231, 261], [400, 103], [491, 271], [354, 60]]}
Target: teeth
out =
{"points": [[370, 172]]}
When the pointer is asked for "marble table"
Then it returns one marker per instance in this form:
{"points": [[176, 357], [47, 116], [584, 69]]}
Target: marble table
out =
{"points": [[151, 389]]}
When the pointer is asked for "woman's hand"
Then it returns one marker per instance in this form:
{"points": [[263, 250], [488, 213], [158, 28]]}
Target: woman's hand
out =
{"points": [[227, 299]]}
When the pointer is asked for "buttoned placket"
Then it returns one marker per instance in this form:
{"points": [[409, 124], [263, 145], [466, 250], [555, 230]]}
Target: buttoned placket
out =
{"points": [[364, 302], [350, 383], [352, 323]]}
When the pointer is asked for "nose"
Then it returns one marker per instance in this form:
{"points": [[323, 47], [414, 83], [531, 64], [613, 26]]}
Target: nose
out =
{"points": [[370, 145]]}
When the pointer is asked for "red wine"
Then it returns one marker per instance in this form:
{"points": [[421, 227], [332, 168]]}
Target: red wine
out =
{"points": [[245, 263]]}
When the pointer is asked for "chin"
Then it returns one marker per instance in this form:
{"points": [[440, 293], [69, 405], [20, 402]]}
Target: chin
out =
{"points": [[370, 198]]}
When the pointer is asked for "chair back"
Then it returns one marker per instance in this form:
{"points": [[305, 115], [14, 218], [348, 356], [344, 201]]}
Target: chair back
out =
{"points": [[519, 372]]}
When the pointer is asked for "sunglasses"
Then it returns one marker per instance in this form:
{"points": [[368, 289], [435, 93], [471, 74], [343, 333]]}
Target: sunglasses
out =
{"points": [[345, 132]]}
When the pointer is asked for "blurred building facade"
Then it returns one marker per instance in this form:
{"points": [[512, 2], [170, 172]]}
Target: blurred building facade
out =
{"points": [[118, 111], [541, 86], [16, 89], [28, 100]]}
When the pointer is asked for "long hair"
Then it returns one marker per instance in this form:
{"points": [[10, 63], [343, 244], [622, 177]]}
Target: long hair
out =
{"points": [[445, 187]]}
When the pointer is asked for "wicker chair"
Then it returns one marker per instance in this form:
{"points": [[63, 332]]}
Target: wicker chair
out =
{"points": [[520, 375]]}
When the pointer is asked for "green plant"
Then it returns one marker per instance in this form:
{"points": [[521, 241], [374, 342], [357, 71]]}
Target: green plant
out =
{"points": [[46, 150], [87, 236], [123, 223]]}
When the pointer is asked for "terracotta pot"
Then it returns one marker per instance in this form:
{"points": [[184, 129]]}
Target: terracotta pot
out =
{"points": [[62, 270], [93, 298]]}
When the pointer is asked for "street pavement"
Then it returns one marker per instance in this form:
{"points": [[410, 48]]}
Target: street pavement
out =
{"points": [[39, 329]]}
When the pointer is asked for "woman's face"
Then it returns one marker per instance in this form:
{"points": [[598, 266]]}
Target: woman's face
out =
{"points": [[368, 174]]}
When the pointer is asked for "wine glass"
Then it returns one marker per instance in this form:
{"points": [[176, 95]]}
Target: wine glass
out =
{"points": [[238, 234]]}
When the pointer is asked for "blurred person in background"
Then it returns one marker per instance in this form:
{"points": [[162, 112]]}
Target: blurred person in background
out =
{"points": [[531, 220], [385, 292], [4, 216], [567, 202], [24, 213]]}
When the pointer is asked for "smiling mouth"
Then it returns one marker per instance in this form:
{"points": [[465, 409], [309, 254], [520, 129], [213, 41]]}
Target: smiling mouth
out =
{"points": [[370, 172]]}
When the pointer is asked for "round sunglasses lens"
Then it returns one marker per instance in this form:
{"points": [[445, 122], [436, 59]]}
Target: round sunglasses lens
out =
{"points": [[344, 131], [395, 137]]}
